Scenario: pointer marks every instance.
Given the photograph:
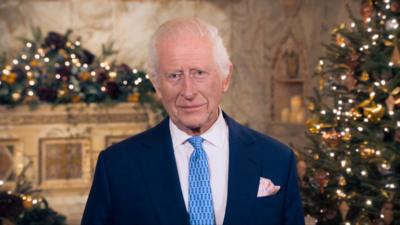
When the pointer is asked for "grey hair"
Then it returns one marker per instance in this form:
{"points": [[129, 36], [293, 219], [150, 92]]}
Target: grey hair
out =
{"points": [[193, 26]]}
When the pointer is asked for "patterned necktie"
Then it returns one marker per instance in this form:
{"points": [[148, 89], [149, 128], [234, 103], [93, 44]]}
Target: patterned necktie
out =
{"points": [[201, 210]]}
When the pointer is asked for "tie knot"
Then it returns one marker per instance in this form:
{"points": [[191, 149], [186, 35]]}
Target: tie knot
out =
{"points": [[196, 142]]}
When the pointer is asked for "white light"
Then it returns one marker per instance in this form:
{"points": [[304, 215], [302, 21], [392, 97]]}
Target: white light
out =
{"points": [[37, 56], [373, 43], [386, 1], [343, 163], [372, 94], [332, 154], [15, 61], [67, 63], [334, 88], [34, 201], [347, 223], [361, 49], [342, 133], [147, 76], [46, 59], [375, 36], [71, 86], [383, 82], [27, 67], [134, 70], [350, 100], [1, 182], [366, 46], [368, 202], [398, 123], [378, 153], [103, 89], [386, 129], [6, 72], [77, 43], [368, 20], [353, 25], [387, 6], [24, 57], [391, 36], [31, 82], [318, 126], [376, 83], [343, 45], [384, 17], [343, 77], [338, 118], [113, 74], [58, 76], [347, 129], [107, 67], [364, 173], [391, 113], [360, 129], [340, 102], [125, 82], [103, 64], [323, 112], [390, 64], [334, 111], [382, 216], [28, 44], [392, 186], [348, 170], [93, 73], [30, 93], [85, 65], [73, 56], [366, 120]]}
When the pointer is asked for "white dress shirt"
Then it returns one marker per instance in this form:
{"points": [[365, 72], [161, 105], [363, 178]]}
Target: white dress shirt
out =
{"points": [[216, 147]]}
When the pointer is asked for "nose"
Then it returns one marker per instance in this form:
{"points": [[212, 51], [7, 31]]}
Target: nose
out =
{"points": [[188, 88]]}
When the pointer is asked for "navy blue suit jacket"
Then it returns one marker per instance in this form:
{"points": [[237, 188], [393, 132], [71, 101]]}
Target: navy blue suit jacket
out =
{"points": [[136, 181]]}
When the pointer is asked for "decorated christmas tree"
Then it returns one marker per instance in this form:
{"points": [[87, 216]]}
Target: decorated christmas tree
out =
{"points": [[353, 160]]}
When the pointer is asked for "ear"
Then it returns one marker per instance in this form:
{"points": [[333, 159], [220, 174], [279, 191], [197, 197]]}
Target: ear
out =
{"points": [[227, 80]]}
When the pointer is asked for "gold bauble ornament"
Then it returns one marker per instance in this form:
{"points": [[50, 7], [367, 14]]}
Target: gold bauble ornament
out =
{"points": [[364, 76], [346, 136], [311, 106], [354, 112], [316, 157], [374, 112], [367, 152], [85, 75]]}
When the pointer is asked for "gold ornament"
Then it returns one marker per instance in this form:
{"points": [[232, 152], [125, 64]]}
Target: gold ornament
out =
{"points": [[388, 43], [34, 63], [61, 92], [340, 40], [27, 202], [134, 97], [85, 75], [367, 152], [311, 106], [63, 53], [316, 157], [374, 112], [364, 76], [342, 181], [346, 136], [331, 138], [355, 113], [395, 59], [321, 84], [396, 91]]}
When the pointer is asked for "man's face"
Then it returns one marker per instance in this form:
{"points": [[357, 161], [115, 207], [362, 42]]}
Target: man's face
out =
{"points": [[190, 83]]}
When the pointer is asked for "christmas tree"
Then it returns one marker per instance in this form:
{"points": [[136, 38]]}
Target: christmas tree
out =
{"points": [[353, 160]]}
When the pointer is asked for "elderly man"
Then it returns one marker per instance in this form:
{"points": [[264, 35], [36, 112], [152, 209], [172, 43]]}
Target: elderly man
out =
{"points": [[198, 166]]}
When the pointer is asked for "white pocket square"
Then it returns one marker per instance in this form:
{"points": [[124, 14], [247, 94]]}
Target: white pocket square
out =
{"points": [[267, 188]]}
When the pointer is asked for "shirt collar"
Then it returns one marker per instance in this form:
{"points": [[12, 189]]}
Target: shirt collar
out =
{"points": [[214, 135]]}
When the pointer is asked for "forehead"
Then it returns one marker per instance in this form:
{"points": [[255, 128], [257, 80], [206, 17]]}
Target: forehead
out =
{"points": [[182, 51]]}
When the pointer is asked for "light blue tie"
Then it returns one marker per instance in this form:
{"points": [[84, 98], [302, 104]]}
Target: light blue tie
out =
{"points": [[201, 210]]}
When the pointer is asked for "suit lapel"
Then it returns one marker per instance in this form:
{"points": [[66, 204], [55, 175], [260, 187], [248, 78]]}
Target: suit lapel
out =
{"points": [[161, 176], [244, 174]]}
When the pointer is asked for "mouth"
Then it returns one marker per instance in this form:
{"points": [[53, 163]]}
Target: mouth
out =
{"points": [[191, 108]]}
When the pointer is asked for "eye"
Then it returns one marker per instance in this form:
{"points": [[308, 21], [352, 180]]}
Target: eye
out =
{"points": [[173, 76], [199, 73]]}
